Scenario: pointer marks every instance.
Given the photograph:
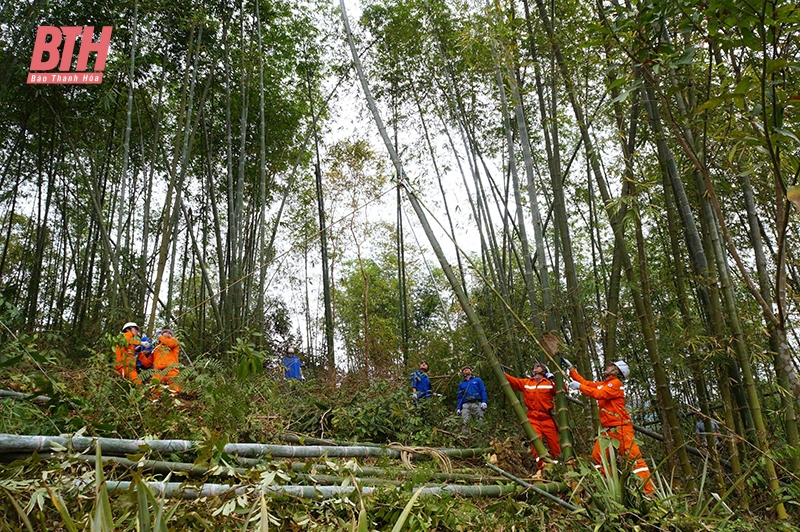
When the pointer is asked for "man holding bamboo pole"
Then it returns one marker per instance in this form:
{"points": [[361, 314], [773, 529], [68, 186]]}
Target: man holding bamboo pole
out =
{"points": [[538, 394], [614, 417]]}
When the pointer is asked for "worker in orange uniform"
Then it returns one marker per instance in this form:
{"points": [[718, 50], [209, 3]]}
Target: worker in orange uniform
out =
{"points": [[614, 418], [538, 394], [125, 355], [165, 354]]}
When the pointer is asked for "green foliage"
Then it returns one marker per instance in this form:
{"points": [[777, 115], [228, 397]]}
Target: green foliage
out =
{"points": [[384, 413], [251, 360], [369, 316], [102, 519], [348, 413]]}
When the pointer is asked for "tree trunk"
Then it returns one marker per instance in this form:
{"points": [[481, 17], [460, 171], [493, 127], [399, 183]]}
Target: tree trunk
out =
{"points": [[466, 306]]}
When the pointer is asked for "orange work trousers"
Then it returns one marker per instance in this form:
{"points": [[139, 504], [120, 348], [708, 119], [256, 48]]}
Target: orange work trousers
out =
{"points": [[627, 447], [547, 430]]}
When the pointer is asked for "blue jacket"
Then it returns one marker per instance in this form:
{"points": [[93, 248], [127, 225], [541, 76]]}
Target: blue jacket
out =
{"points": [[292, 365], [471, 391], [421, 383]]}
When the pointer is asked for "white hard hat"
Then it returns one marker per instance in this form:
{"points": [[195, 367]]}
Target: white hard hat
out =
{"points": [[290, 350], [128, 326], [623, 368]]}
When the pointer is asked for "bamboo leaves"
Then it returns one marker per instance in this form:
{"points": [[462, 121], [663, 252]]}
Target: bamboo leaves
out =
{"points": [[102, 519]]}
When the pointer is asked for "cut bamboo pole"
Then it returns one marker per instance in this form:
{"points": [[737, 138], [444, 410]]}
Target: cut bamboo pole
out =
{"points": [[536, 489], [21, 443], [39, 399], [364, 471], [192, 470], [310, 440], [300, 468], [164, 468], [183, 491]]}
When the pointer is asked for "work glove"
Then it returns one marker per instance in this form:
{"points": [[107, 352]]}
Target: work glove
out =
{"points": [[566, 364], [484, 406], [413, 395], [549, 376], [458, 412], [575, 385], [506, 369]]}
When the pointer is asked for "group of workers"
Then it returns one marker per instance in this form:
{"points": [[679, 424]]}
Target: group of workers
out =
{"points": [[472, 398], [138, 352], [539, 393]]}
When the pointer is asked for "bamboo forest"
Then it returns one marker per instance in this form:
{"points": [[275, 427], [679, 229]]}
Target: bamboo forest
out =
{"points": [[423, 265]]}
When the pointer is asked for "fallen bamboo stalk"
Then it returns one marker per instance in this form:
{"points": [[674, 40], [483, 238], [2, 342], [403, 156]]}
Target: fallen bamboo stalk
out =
{"points": [[317, 478], [537, 489], [689, 448], [193, 470], [156, 466], [38, 399], [198, 471], [363, 471], [310, 440], [180, 490], [112, 446], [163, 468]]}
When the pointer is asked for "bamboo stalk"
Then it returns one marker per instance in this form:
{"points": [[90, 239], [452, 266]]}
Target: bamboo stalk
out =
{"points": [[164, 468], [39, 399], [310, 440], [537, 489], [22, 443], [466, 305], [180, 490], [365, 471], [300, 468]]}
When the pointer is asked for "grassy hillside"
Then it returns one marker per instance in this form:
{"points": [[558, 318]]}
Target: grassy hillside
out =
{"points": [[63, 488]]}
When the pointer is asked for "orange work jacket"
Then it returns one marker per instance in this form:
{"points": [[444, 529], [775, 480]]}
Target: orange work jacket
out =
{"points": [[610, 395], [124, 357], [165, 353], [538, 395]]}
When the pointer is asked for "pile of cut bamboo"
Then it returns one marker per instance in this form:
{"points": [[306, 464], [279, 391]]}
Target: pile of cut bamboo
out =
{"points": [[313, 480]]}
